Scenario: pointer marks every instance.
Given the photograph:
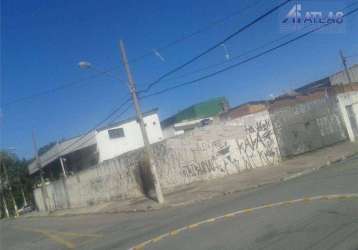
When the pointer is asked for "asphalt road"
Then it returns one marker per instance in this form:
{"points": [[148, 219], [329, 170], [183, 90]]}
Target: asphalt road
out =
{"points": [[326, 222]]}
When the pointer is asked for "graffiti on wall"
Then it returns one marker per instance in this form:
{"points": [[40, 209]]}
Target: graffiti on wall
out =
{"points": [[258, 147], [216, 153]]}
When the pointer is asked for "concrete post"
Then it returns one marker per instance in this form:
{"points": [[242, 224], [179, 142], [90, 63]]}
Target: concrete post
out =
{"points": [[5, 206], [14, 202], [23, 197], [63, 167]]}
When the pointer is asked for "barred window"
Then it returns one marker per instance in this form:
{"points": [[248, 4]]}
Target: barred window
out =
{"points": [[116, 133]]}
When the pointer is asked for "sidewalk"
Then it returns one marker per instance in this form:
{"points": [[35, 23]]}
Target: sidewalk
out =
{"points": [[198, 191]]}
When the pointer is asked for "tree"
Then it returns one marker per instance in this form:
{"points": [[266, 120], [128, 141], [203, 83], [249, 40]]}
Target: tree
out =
{"points": [[15, 182]]}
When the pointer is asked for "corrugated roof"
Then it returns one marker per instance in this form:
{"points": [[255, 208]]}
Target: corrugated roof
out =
{"points": [[64, 148], [208, 108]]}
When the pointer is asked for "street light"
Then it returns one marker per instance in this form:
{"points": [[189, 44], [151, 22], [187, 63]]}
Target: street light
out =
{"points": [[88, 65], [84, 65], [132, 89]]}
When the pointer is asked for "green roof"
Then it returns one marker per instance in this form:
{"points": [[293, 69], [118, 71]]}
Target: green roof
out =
{"points": [[209, 108]]}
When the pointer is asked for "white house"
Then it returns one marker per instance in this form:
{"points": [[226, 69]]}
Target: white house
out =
{"points": [[348, 100], [125, 136], [99, 145], [348, 105]]}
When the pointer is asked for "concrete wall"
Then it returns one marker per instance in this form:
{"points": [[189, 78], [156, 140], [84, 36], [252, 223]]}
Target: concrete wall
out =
{"points": [[38, 199], [217, 150], [112, 179], [204, 153], [109, 148], [348, 105], [307, 126]]}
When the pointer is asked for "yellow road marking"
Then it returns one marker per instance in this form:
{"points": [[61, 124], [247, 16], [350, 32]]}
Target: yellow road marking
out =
{"points": [[229, 215], [174, 232], [210, 220], [157, 238], [193, 226], [78, 234], [268, 206], [248, 210], [59, 240], [55, 236]]}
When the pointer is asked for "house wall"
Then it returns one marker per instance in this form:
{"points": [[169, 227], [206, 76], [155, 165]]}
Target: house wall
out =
{"points": [[109, 148], [307, 126], [345, 101], [341, 77], [205, 153]]}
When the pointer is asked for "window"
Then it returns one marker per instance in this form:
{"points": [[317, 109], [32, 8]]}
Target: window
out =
{"points": [[116, 133]]}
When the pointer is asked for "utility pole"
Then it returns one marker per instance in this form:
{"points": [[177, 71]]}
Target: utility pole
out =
{"points": [[39, 166], [344, 62], [148, 151], [61, 162]]}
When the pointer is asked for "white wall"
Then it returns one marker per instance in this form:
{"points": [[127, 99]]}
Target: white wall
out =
{"points": [[109, 148], [344, 100]]}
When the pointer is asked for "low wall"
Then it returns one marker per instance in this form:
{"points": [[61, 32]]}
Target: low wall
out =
{"points": [[205, 153]]}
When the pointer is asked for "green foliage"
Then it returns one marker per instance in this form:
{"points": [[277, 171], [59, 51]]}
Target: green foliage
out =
{"points": [[14, 176]]}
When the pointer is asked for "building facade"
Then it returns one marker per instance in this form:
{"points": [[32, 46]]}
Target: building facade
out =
{"points": [[85, 151], [126, 136], [348, 105], [197, 115]]}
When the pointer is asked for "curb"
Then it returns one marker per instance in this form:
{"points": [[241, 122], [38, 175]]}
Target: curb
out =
{"points": [[311, 170], [194, 226]]}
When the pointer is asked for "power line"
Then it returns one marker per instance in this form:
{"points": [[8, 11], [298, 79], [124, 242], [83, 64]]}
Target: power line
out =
{"points": [[352, 56], [109, 123], [147, 89], [64, 86], [90, 138], [242, 62], [232, 58], [200, 79], [96, 126], [106, 72], [252, 50], [197, 32]]}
